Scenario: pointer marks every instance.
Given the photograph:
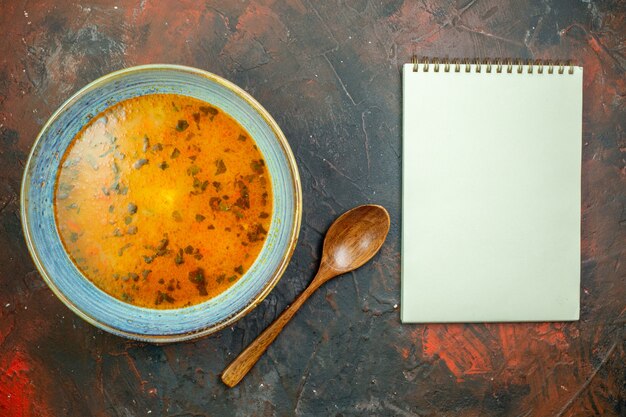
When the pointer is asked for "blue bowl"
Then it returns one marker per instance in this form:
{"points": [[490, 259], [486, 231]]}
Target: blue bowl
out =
{"points": [[93, 304]]}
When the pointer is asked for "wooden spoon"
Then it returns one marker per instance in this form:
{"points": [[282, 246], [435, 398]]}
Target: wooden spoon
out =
{"points": [[352, 240]]}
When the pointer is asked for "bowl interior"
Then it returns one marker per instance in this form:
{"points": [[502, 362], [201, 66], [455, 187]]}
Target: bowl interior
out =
{"points": [[100, 308]]}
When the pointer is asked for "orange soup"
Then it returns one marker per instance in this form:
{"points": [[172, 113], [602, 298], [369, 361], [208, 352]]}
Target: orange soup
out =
{"points": [[163, 201]]}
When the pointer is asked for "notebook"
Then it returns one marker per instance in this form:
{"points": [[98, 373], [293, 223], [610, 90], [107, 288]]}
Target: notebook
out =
{"points": [[491, 172]]}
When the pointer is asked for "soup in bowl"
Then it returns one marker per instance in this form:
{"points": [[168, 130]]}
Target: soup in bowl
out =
{"points": [[161, 203]]}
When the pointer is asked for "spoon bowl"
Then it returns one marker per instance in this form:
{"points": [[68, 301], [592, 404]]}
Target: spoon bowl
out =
{"points": [[355, 237]]}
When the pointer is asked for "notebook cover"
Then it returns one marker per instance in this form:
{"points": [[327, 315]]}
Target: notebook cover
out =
{"points": [[491, 195]]}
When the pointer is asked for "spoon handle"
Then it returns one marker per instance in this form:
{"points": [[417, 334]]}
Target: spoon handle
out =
{"points": [[235, 372]]}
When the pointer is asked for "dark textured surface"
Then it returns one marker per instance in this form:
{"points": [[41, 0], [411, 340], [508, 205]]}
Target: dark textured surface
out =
{"points": [[329, 73]]}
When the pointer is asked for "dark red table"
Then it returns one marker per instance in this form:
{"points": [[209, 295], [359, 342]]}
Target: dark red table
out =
{"points": [[329, 73]]}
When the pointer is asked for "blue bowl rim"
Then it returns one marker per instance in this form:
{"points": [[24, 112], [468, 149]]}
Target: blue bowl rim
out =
{"points": [[277, 273]]}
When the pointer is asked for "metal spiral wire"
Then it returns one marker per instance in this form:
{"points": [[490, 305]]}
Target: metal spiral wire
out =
{"points": [[487, 65]]}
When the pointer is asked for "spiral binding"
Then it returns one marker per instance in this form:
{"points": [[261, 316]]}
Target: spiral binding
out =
{"points": [[488, 65]]}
